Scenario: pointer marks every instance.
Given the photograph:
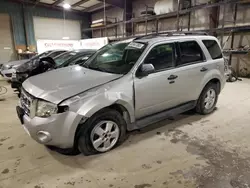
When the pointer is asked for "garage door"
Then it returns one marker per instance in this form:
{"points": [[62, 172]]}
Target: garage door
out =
{"points": [[6, 44], [54, 29]]}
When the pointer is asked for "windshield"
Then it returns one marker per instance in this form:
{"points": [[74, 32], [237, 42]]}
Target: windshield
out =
{"points": [[116, 58], [64, 57]]}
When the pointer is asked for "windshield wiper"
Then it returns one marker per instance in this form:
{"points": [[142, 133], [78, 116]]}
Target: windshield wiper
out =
{"points": [[97, 68], [100, 69], [85, 65]]}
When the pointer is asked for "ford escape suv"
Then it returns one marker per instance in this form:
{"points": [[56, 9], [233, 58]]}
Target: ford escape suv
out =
{"points": [[124, 86]]}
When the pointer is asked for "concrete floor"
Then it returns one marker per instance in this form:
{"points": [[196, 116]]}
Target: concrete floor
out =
{"points": [[189, 151]]}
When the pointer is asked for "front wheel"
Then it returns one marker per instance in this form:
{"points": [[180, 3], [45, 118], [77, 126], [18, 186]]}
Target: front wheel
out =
{"points": [[69, 151], [208, 99], [102, 132]]}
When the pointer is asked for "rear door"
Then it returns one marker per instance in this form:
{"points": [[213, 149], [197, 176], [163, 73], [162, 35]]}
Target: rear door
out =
{"points": [[191, 66], [215, 52]]}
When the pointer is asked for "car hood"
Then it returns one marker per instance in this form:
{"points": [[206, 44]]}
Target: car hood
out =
{"points": [[14, 63], [60, 84]]}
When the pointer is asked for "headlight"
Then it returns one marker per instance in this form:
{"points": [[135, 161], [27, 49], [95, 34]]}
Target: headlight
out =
{"points": [[9, 66], [45, 109]]}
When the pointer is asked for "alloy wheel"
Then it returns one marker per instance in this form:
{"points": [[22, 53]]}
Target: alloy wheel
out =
{"points": [[210, 99], [105, 135]]}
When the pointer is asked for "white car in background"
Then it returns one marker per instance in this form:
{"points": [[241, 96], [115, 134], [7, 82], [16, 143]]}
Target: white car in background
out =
{"points": [[7, 69]]}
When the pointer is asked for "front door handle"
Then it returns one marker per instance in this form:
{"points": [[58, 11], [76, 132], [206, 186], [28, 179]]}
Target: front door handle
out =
{"points": [[204, 69], [172, 77]]}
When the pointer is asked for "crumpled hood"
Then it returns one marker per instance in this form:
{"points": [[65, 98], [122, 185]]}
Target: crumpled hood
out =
{"points": [[19, 62], [57, 85]]}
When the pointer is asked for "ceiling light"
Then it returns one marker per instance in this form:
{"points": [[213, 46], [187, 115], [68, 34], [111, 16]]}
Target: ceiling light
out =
{"points": [[65, 38], [66, 6]]}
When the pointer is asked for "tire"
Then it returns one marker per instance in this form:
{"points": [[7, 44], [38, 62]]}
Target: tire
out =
{"points": [[84, 135], [201, 104], [68, 151]]}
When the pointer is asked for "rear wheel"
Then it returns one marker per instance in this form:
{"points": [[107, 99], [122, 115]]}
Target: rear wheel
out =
{"points": [[102, 132], [208, 99]]}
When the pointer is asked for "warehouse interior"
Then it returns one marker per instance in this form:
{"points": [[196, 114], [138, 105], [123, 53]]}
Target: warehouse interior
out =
{"points": [[187, 150]]}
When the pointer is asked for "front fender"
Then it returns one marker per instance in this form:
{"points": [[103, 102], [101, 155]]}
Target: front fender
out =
{"points": [[100, 101]]}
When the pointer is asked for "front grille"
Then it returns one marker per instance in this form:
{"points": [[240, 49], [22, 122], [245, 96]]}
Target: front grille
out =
{"points": [[9, 75], [26, 101]]}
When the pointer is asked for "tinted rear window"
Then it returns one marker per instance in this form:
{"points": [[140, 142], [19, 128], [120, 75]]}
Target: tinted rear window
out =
{"points": [[213, 48], [190, 52]]}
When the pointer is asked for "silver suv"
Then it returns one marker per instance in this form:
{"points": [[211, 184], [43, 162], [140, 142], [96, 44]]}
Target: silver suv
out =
{"points": [[124, 86]]}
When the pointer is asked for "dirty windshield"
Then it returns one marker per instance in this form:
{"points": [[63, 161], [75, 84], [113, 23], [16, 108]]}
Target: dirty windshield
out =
{"points": [[117, 58], [64, 57]]}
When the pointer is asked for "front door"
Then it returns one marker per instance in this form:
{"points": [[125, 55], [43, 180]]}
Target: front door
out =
{"points": [[155, 92]]}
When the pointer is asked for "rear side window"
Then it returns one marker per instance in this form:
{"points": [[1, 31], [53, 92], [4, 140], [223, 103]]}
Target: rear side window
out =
{"points": [[213, 48], [190, 52]]}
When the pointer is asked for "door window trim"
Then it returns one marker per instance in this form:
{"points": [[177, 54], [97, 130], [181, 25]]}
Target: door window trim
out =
{"points": [[202, 40], [179, 54], [155, 45]]}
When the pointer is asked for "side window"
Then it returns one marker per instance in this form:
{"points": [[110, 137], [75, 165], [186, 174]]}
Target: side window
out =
{"points": [[190, 52], [161, 57], [213, 48]]}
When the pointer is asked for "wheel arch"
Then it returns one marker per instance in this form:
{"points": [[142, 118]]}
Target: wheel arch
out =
{"points": [[215, 81], [199, 106], [118, 106]]}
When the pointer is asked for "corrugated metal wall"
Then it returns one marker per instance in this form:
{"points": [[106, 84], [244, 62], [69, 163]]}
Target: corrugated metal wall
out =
{"points": [[16, 13], [6, 45], [14, 10]]}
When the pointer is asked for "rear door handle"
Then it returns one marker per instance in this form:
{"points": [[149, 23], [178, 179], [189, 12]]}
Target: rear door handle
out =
{"points": [[172, 77], [204, 69]]}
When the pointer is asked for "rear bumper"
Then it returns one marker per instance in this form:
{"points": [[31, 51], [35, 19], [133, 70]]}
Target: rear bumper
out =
{"points": [[224, 80]]}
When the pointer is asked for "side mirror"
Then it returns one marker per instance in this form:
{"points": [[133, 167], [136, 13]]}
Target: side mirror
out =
{"points": [[145, 70]]}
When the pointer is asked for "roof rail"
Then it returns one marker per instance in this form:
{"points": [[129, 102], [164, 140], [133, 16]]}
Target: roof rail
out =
{"points": [[184, 33], [174, 33], [146, 36]]}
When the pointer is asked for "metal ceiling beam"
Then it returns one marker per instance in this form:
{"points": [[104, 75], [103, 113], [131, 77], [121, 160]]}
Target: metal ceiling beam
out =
{"points": [[101, 10], [28, 2], [79, 3], [117, 3], [57, 2], [95, 7]]}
